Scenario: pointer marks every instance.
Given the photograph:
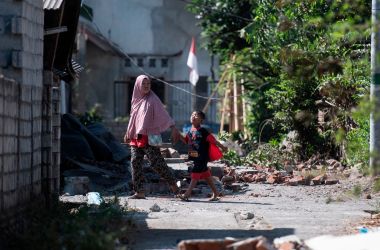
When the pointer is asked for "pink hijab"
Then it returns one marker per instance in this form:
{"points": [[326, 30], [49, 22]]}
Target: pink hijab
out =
{"points": [[148, 115]]}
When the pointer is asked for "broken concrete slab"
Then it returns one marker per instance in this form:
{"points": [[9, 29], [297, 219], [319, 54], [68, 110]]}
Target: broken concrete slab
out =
{"points": [[368, 241]]}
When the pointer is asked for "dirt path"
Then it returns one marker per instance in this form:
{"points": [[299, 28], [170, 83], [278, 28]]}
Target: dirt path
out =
{"points": [[268, 210]]}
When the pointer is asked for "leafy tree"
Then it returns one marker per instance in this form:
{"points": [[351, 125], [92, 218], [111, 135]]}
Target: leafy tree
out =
{"points": [[303, 62]]}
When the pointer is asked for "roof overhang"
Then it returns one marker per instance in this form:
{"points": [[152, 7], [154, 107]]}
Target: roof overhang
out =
{"points": [[98, 39], [60, 24]]}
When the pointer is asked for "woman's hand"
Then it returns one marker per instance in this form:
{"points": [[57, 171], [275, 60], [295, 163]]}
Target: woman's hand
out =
{"points": [[175, 134], [126, 139]]}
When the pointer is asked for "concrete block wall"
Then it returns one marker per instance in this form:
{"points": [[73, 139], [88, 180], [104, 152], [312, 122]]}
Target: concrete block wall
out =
{"points": [[21, 32], [21, 112]]}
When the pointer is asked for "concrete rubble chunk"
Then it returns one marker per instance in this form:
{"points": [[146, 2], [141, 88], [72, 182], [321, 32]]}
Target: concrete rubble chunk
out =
{"points": [[368, 241], [256, 243], [331, 181], [296, 180], [173, 153], [228, 179], [209, 244], [273, 178], [288, 242], [155, 208], [246, 215], [318, 179]]}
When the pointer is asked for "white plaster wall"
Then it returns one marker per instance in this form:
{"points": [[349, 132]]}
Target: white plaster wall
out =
{"points": [[152, 27]]}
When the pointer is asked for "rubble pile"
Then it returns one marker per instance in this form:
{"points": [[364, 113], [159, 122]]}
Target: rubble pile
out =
{"points": [[92, 159], [316, 173]]}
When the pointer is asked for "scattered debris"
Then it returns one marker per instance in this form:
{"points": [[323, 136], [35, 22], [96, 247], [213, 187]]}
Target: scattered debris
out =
{"points": [[94, 198], [155, 208]]}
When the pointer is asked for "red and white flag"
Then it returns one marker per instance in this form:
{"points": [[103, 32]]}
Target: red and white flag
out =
{"points": [[193, 64]]}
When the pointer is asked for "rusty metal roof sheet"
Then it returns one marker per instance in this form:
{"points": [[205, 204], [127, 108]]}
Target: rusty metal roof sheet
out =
{"points": [[52, 4]]}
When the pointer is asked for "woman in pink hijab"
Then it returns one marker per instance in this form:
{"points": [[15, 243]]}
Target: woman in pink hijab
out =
{"points": [[148, 117]]}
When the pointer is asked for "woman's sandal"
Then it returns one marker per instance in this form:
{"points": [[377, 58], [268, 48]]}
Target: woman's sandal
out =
{"points": [[214, 199], [183, 197]]}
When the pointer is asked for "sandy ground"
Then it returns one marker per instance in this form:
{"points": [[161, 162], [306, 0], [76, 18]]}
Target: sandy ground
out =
{"points": [[261, 209]]}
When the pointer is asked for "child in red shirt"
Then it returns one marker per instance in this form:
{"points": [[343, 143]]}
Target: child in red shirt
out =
{"points": [[198, 140]]}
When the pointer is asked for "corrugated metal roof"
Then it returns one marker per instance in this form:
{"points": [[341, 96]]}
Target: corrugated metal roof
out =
{"points": [[63, 73], [52, 4]]}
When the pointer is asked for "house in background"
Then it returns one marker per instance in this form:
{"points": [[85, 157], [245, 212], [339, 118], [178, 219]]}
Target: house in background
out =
{"points": [[156, 36]]}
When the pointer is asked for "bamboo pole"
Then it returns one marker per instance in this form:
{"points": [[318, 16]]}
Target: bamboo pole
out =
{"points": [[235, 105], [244, 111], [224, 105], [214, 91]]}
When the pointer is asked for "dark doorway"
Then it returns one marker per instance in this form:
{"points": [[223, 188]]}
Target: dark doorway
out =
{"points": [[123, 91]]}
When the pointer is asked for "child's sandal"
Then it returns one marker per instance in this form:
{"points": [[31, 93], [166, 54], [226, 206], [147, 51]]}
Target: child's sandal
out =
{"points": [[183, 197], [214, 199]]}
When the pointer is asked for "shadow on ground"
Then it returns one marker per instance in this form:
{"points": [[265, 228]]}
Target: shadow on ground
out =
{"points": [[144, 238], [169, 238]]}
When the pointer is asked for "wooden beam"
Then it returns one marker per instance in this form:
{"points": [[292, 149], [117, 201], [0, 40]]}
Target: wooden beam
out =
{"points": [[56, 30]]}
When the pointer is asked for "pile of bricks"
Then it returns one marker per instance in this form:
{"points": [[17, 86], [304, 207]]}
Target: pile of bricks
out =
{"points": [[301, 174]]}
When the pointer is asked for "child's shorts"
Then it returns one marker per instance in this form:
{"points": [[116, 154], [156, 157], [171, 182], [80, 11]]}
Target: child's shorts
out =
{"points": [[202, 175]]}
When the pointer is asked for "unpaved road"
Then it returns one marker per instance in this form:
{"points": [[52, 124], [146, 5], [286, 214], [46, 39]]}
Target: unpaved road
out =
{"points": [[277, 210]]}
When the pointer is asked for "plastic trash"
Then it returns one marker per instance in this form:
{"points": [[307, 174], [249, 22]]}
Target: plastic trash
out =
{"points": [[94, 198], [363, 230]]}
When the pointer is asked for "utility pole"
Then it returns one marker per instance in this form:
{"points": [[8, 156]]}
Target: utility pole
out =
{"points": [[375, 90]]}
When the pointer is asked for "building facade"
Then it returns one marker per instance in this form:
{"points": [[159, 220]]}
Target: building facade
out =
{"points": [[121, 39]]}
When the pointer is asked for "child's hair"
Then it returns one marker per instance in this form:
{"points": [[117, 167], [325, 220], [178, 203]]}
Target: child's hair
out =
{"points": [[201, 114]]}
